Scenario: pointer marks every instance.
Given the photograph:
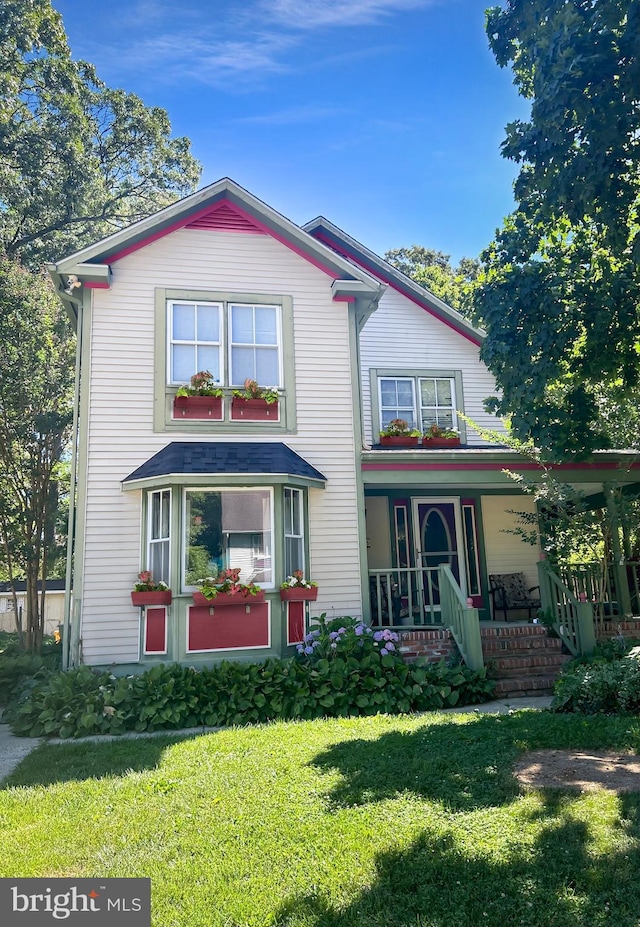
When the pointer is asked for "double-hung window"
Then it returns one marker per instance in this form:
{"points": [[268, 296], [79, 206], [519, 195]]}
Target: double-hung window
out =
{"points": [[420, 399], [234, 341], [293, 531], [159, 534]]}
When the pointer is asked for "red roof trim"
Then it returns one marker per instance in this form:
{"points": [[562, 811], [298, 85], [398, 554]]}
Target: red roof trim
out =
{"points": [[199, 215], [493, 465], [374, 270]]}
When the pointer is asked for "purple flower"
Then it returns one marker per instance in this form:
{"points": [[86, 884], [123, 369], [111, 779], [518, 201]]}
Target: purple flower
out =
{"points": [[308, 651], [359, 630], [341, 631], [334, 646], [334, 635], [378, 636], [310, 637], [299, 648], [384, 652], [390, 645]]}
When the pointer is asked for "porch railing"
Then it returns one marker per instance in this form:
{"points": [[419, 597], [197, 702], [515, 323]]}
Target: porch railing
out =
{"points": [[414, 597], [613, 589], [405, 596], [570, 613], [463, 620]]}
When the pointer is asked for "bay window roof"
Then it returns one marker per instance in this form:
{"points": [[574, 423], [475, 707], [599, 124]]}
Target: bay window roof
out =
{"points": [[228, 461]]}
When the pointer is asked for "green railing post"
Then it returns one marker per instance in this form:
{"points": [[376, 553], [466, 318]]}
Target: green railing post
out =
{"points": [[619, 566], [473, 642], [587, 633]]}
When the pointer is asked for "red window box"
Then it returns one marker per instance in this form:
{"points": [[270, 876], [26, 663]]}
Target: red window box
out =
{"points": [[223, 598], [159, 597], [254, 410], [299, 594], [198, 407], [441, 442], [229, 628], [399, 440]]}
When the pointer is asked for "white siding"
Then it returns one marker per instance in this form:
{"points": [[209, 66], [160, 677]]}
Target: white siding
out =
{"points": [[401, 335], [508, 553], [120, 428]]}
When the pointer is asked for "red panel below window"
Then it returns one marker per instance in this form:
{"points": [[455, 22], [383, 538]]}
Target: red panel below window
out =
{"points": [[155, 633], [295, 622], [230, 627]]}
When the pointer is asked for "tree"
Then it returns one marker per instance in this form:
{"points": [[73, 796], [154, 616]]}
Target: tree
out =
{"points": [[78, 160], [560, 287], [36, 391], [433, 270]]}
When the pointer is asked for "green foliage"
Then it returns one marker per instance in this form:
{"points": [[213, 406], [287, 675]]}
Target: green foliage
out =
{"points": [[80, 160], [607, 682], [433, 270], [360, 675], [560, 285]]}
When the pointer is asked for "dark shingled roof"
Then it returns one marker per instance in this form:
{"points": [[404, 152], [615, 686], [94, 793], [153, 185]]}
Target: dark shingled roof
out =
{"points": [[194, 457]]}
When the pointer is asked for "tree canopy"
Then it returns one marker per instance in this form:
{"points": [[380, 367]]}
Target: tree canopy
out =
{"points": [[78, 160], [433, 270], [560, 288]]}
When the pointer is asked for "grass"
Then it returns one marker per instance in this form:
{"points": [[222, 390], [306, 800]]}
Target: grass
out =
{"points": [[383, 822]]}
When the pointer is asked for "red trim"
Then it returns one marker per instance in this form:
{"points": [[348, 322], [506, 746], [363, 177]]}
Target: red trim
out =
{"points": [[298, 594], [206, 210], [375, 271], [254, 410], [224, 600], [224, 218], [205, 408], [508, 464], [295, 622], [96, 285], [229, 628], [344, 299], [155, 630], [152, 597]]}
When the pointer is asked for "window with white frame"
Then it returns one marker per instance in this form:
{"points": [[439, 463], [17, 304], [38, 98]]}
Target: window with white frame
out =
{"points": [[233, 341], [293, 531], [421, 401], [228, 528], [159, 533]]}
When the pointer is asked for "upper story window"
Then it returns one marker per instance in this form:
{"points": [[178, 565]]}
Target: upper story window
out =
{"points": [[233, 341], [420, 401], [194, 339]]}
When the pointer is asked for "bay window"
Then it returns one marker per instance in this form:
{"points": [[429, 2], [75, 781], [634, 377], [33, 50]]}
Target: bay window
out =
{"points": [[228, 528], [159, 530]]}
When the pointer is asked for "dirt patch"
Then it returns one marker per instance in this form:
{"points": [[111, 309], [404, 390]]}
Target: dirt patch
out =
{"points": [[583, 770]]}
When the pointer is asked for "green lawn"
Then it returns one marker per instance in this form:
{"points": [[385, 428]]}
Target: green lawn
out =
{"points": [[375, 822]]}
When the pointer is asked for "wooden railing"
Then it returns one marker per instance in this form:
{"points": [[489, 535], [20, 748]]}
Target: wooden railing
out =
{"points": [[404, 596], [571, 614], [462, 619], [613, 589]]}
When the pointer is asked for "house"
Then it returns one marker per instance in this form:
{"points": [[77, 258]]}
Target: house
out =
{"points": [[53, 604], [222, 282]]}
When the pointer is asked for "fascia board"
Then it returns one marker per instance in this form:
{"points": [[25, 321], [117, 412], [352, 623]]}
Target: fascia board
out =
{"points": [[221, 479], [269, 217], [390, 273]]}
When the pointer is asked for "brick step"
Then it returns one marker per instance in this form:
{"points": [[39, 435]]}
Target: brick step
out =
{"points": [[508, 645], [524, 685], [518, 630], [526, 664]]}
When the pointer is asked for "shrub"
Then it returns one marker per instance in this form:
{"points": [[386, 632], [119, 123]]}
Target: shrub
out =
{"points": [[343, 669], [18, 668], [599, 686]]}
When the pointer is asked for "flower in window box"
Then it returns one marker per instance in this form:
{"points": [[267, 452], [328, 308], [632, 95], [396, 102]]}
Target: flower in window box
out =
{"points": [[226, 589], [398, 433], [296, 588], [436, 436], [202, 399], [255, 403], [146, 592]]}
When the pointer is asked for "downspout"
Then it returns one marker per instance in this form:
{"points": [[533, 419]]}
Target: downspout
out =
{"points": [[73, 482]]}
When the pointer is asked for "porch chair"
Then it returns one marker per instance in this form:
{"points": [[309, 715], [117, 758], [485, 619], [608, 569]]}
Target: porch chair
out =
{"points": [[509, 593]]}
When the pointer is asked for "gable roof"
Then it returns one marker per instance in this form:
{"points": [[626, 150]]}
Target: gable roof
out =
{"points": [[223, 205], [361, 256], [232, 458]]}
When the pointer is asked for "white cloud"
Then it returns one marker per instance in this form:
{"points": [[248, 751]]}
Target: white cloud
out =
{"points": [[293, 115], [313, 14]]}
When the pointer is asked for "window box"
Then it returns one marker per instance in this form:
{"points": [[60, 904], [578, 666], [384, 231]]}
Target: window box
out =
{"points": [[440, 442], [299, 594], [158, 597], [223, 598], [198, 407], [254, 410], [399, 440]]}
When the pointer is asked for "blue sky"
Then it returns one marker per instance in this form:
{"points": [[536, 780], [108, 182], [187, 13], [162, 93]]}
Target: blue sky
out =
{"points": [[385, 116]]}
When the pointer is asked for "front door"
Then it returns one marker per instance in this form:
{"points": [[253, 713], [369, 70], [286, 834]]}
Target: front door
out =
{"points": [[438, 539]]}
